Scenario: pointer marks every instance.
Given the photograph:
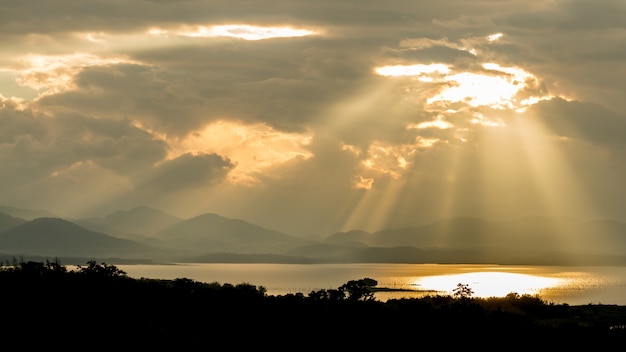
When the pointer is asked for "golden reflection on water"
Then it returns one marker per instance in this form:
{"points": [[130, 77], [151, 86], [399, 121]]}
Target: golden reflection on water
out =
{"points": [[572, 285], [550, 283], [488, 284]]}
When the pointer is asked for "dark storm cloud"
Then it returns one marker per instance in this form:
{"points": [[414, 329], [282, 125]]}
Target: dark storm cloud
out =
{"points": [[187, 171]]}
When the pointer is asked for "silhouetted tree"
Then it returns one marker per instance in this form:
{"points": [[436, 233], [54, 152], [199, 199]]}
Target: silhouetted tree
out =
{"points": [[462, 291], [360, 290]]}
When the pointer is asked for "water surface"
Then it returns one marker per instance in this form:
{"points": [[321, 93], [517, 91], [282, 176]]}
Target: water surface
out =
{"points": [[572, 285]]}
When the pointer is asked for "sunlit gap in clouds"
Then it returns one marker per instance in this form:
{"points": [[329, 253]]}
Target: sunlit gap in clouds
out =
{"points": [[439, 123], [252, 147], [496, 87], [52, 74], [241, 31], [160, 36]]}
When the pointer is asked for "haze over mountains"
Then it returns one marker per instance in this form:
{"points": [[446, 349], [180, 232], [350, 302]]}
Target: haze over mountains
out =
{"points": [[146, 234]]}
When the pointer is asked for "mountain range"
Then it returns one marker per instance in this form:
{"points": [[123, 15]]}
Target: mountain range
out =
{"points": [[151, 235]]}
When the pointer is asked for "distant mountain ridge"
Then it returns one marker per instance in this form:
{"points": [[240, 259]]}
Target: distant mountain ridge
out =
{"points": [[148, 233], [26, 214], [141, 219], [137, 223], [564, 234], [224, 234], [57, 237], [198, 236], [7, 221]]}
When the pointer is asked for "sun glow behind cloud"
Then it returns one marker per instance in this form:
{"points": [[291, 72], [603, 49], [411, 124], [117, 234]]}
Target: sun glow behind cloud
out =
{"points": [[51, 74], [252, 147], [241, 31], [390, 159], [496, 87], [360, 182], [478, 90], [494, 37], [422, 71], [465, 44], [439, 123]]}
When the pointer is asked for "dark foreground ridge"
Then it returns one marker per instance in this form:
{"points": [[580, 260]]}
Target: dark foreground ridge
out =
{"points": [[98, 306]]}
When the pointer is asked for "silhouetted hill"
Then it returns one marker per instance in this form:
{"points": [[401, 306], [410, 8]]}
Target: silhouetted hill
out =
{"points": [[141, 220], [26, 214], [353, 237], [565, 234], [56, 237], [459, 232], [7, 221], [224, 257], [598, 235], [214, 233], [529, 233], [139, 223], [526, 240], [211, 237], [325, 252]]}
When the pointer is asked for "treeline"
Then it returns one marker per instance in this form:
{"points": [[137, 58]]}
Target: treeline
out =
{"points": [[99, 303]]}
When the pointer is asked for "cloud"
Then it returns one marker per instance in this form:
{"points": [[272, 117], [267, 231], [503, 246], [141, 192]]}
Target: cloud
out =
{"points": [[187, 171], [584, 122], [382, 114], [39, 149]]}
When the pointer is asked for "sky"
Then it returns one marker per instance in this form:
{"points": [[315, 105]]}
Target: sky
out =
{"points": [[311, 117]]}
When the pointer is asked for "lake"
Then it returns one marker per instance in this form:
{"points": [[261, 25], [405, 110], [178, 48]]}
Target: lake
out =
{"points": [[558, 284]]}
